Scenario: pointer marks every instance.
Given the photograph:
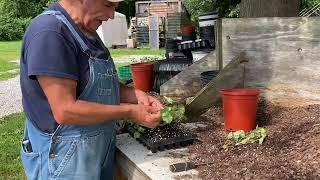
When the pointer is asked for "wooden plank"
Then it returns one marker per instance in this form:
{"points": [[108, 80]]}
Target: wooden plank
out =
{"points": [[128, 169], [284, 56], [187, 83], [231, 76], [154, 32], [118, 174], [218, 29]]}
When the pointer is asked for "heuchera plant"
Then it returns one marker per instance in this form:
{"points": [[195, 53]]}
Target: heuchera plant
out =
{"points": [[172, 112]]}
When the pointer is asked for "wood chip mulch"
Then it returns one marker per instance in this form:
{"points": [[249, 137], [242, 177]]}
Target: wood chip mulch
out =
{"points": [[290, 151]]}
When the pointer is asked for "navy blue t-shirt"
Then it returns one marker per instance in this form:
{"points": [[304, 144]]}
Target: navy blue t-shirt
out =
{"points": [[49, 48]]}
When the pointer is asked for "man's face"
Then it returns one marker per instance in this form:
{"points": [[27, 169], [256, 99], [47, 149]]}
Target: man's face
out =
{"points": [[96, 11]]}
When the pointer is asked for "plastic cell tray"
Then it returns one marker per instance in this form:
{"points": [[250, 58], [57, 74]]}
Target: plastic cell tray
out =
{"points": [[170, 143]]}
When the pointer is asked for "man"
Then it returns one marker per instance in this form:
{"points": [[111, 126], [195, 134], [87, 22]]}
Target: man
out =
{"points": [[71, 94]]}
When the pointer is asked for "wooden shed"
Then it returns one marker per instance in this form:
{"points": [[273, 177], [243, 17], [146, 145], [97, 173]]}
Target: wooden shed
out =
{"points": [[171, 14], [158, 8]]}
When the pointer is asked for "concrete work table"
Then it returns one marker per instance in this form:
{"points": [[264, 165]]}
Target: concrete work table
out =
{"points": [[136, 162]]}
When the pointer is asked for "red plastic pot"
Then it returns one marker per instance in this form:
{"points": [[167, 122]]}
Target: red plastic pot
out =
{"points": [[143, 76], [187, 29], [239, 109]]}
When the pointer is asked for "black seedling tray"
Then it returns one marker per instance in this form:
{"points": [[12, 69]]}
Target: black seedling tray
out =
{"points": [[169, 143]]}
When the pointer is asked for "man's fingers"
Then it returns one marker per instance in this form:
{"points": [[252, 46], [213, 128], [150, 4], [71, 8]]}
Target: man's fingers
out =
{"points": [[153, 110], [155, 102], [157, 105], [143, 103]]}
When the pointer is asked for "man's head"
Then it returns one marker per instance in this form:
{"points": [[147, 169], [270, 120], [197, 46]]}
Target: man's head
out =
{"points": [[89, 14]]}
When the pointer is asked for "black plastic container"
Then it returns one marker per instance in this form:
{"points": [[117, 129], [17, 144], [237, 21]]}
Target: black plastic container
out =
{"points": [[171, 46], [169, 143], [206, 24], [167, 69]]}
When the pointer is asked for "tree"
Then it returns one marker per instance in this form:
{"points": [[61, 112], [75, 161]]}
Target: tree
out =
{"points": [[23, 8], [225, 8], [197, 7], [127, 8], [270, 8], [308, 4]]}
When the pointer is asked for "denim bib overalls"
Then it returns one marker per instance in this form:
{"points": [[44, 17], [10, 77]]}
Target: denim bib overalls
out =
{"points": [[72, 151]]}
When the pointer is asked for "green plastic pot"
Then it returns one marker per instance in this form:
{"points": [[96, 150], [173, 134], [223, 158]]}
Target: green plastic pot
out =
{"points": [[124, 72]]}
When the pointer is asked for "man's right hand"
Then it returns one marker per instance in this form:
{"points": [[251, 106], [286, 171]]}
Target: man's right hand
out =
{"points": [[147, 116]]}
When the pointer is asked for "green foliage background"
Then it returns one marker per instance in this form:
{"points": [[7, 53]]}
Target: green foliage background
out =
{"points": [[16, 15], [225, 8]]}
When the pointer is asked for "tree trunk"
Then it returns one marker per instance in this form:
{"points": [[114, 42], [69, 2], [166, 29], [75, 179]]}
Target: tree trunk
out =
{"points": [[269, 8]]}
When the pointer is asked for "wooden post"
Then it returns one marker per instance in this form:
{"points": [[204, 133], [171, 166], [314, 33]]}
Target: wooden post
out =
{"points": [[218, 30], [231, 76], [154, 32]]}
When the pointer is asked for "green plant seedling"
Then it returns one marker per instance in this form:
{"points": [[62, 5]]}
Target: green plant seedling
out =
{"points": [[241, 138]]}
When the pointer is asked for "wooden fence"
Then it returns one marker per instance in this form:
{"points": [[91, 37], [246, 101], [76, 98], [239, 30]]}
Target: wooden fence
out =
{"points": [[283, 54]]}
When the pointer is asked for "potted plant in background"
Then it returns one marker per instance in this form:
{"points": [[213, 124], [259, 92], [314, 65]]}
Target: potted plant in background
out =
{"points": [[143, 74]]}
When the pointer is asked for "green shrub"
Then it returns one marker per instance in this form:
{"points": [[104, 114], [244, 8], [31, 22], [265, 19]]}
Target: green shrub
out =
{"points": [[11, 28]]}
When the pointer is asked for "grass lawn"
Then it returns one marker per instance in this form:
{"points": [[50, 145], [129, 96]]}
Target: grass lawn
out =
{"points": [[9, 51], [11, 132]]}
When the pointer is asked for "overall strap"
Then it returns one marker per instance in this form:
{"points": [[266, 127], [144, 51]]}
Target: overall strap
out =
{"points": [[61, 17]]}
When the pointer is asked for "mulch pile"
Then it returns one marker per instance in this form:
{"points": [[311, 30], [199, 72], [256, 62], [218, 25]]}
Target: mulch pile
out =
{"points": [[290, 151]]}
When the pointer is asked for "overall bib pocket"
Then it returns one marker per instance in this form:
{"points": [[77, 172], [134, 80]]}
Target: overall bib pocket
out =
{"points": [[106, 90]]}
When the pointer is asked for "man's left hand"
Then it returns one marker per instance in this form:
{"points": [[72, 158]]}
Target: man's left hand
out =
{"points": [[145, 99]]}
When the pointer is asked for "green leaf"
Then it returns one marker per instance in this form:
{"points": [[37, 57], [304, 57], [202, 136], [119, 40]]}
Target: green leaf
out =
{"points": [[261, 140], [230, 136], [246, 140], [241, 138], [261, 131], [252, 135], [141, 129], [238, 135], [178, 112], [168, 100], [167, 117], [136, 135], [136, 126], [181, 109]]}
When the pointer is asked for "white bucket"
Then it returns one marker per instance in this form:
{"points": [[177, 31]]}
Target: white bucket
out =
{"points": [[207, 20], [197, 55]]}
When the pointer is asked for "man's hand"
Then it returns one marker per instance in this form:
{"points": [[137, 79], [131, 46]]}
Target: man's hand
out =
{"points": [[136, 96], [147, 100], [147, 116], [145, 109]]}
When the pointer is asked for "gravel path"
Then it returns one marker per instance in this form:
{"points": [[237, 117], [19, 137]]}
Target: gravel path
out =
{"points": [[10, 97]]}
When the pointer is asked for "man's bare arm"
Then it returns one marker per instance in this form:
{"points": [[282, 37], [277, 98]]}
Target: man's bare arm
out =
{"points": [[66, 109]]}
